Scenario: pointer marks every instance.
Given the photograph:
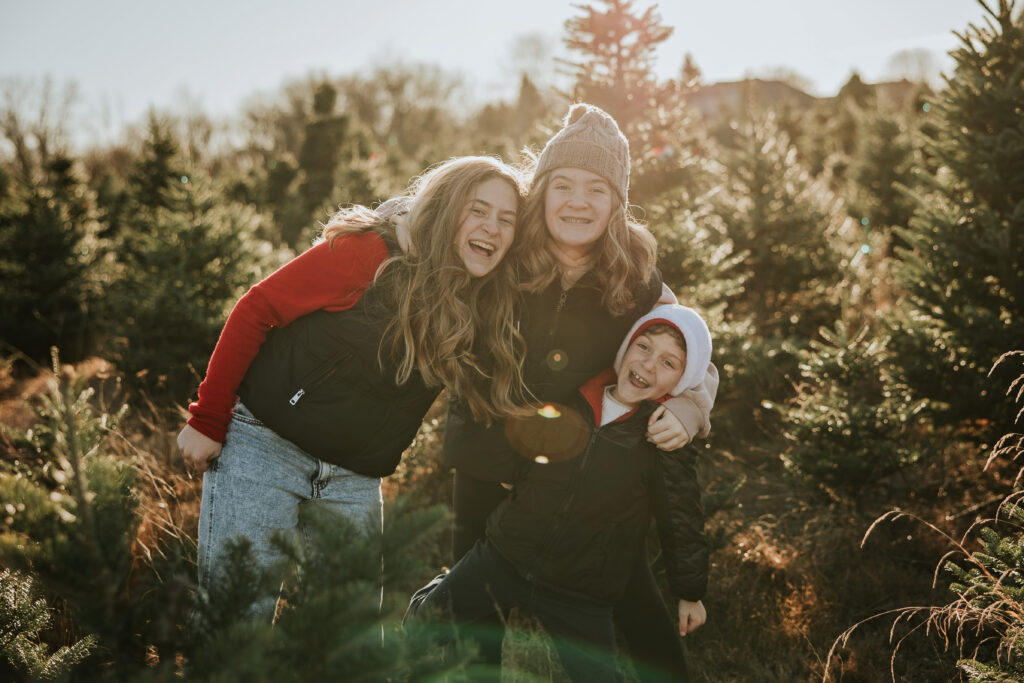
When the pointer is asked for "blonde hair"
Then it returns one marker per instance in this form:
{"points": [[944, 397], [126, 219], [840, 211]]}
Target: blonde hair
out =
{"points": [[456, 330], [624, 256]]}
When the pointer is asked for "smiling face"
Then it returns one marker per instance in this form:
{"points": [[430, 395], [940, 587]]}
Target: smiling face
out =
{"points": [[577, 208], [651, 368], [487, 226]]}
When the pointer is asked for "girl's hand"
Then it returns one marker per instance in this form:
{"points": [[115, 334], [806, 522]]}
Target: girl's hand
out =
{"points": [[197, 449], [665, 430], [692, 616]]}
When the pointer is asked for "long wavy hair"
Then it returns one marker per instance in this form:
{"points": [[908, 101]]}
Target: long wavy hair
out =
{"points": [[623, 258], [456, 330]]}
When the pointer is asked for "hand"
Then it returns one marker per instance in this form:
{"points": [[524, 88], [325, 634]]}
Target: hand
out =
{"points": [[692, 616], [665, 430], [197, 449], [667, 296]]}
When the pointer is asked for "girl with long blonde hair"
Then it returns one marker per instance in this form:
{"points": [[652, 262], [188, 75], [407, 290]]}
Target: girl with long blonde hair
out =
{"points": [[324, 370]]}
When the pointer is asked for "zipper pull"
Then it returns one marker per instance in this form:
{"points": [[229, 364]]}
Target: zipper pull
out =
{"points": [[561, 301], [298, 394]]}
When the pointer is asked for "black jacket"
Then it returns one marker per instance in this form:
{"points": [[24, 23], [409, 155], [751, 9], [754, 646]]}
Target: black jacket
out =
{"points": [[570, 337], [577, 525], [318, 383]]}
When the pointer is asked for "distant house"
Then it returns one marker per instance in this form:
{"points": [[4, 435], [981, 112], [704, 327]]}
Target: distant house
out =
{"points": [[716, 99], [723, 99]]}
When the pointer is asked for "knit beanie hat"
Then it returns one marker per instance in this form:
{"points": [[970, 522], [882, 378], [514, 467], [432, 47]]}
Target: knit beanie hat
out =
{"points": [[694, 331], [590, 140]]}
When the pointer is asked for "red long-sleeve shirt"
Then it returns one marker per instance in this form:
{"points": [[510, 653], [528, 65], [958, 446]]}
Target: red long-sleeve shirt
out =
{"points": [[323, 277]]}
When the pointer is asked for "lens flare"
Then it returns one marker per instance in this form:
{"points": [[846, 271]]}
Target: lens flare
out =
{"points": [[550, 412], [557, 359]]}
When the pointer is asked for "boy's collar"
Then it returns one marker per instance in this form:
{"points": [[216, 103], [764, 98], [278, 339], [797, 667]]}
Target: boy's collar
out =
{"points": [[593, 392]]}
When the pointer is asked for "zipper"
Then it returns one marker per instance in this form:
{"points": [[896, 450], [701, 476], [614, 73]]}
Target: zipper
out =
{"points": [[563, 513], [318, 376], [558, 312]]}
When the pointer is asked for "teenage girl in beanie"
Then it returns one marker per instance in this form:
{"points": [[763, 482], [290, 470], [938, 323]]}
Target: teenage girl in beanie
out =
{"points": [[588, 271], [337, 356], [561, 545]]}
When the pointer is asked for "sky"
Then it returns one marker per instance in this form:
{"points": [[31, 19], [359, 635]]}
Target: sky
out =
{"points": [[127, 55]]}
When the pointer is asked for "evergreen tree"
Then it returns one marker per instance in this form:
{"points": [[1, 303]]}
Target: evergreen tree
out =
{"points": [[851, 422], [531, 107], [48, 249], [786, 223], [319, 159], [72, 521], [180, 266], [619, 43], [616, 43], [157, 169], [964, 273], [881, 174], [179, 274], [785, 228], [22, 616], [988, 611], [857, 92]]}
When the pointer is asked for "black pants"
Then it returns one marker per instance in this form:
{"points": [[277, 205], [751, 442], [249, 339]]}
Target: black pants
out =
{"points": [[650, 631], [483, 586]]}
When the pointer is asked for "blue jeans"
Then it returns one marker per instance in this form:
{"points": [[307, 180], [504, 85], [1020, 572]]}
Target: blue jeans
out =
{"points": [[255, 488], [483, 586]]}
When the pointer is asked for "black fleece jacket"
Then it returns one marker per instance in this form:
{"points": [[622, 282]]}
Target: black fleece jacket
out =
{"points": [[577, 525], [570, 337]]}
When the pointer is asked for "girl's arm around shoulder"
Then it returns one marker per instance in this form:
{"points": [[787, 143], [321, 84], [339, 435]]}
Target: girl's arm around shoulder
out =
{"points": [[676, 502], [323, 277], [693, 407], [687, 416]]}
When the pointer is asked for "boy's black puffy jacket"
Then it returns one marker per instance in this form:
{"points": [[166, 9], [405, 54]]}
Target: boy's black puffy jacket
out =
{"points": [[317, 383], [570, 337], [577, 525]]}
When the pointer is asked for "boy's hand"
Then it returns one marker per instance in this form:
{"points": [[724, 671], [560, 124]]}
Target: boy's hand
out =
{"points": [[665, 430], [692, 616], [197, 449]]}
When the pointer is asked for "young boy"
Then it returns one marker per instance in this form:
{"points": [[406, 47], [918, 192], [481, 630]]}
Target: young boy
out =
{"points": [[562, 545]]}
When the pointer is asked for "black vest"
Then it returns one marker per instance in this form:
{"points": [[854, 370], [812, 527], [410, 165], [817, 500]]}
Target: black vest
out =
{"points": [[318, 383]]}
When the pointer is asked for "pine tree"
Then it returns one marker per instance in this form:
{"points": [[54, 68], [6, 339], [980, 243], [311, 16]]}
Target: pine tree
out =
{"points": [[157, 169], [181, 264], [881, 174], [180, 273], [964, 273], [22, 616], [48, 249], [616, 43], [332, 621], [989, 582], [856, 91], [319, 158], [851, 422], [786, 223], [72, 519]]}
